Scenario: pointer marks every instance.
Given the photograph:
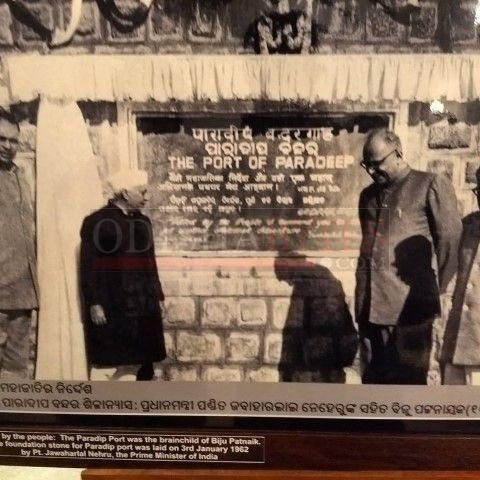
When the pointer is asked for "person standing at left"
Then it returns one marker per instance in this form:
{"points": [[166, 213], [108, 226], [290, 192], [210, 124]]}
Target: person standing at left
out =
{"points": [[18, 279]]}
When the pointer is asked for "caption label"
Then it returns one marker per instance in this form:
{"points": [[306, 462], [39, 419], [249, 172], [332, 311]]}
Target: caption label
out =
{"points": [[137, 447]]}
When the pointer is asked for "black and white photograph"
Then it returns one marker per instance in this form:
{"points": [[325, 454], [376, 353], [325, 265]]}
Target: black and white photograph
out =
{"points": [[274, 200]]}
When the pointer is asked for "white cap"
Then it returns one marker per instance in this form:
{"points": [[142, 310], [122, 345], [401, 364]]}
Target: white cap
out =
{"points": [[126, 179]]}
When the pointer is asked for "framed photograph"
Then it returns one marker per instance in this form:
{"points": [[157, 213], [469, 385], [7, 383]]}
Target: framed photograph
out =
{"points": [[236, 229]]}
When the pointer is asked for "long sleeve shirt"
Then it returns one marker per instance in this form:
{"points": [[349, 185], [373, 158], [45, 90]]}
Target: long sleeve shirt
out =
{"points": [[418, 211], [18, 271]]}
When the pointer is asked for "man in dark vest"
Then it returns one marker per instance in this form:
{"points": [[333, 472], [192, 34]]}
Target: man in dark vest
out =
{"points": [[120, 284], [18, 279], [410, 232]]}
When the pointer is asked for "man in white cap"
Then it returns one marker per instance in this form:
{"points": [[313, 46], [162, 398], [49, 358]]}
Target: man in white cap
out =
{"points": [[119, 279]]}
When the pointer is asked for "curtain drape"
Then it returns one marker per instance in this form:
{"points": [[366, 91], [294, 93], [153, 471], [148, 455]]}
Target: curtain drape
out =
{"points": [[68, 189], [311, 78]]}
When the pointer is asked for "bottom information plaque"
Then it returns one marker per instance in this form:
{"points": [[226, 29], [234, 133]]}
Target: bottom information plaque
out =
{"points": [[218, 444], [135, 447]]}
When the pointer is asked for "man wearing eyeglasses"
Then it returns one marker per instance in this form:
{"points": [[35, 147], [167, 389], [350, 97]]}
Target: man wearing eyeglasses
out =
{"points": [[18, 279], [460, 354], [410, 231]]}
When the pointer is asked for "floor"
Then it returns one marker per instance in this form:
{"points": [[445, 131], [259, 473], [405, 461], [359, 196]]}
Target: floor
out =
{"points": [[38, 473]]}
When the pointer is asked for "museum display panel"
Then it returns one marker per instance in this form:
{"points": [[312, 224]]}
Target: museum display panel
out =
{"points": [[238, 229]]}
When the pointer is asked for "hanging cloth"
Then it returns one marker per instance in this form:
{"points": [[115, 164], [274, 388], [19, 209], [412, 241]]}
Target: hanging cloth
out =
{"points": [[68, 189], [306, 78]]}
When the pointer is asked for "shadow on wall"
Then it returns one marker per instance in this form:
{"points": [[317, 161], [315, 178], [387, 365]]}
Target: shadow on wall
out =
{"points": [[413, 262], [319, 337]]}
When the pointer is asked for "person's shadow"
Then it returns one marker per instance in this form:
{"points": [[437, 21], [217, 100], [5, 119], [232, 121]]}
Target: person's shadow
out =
{"points": [[413, 262], [413, 336], [319, 337]]}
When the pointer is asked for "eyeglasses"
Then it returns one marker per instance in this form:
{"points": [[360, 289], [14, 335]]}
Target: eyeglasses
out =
{"points": [[475, 190], [374, 165]]}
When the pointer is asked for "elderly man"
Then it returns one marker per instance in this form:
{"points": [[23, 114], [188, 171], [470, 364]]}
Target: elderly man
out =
{"points": [[18, 279], [408, 218], [120, 283], [461, 353]]}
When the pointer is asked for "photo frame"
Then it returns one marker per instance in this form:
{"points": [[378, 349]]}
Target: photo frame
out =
{"points": [[287, 296]]}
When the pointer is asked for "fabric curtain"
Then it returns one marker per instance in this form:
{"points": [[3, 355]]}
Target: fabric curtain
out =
{"points": [[312, 78], [68, 189]]}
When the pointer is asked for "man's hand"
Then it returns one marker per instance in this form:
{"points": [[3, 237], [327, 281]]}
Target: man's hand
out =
{"points": [[163, 309], [98, 315]]}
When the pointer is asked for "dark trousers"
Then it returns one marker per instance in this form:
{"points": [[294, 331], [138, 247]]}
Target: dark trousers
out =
{"points": [[14, 343], [396, 355], [145, 372], [322, 375]]}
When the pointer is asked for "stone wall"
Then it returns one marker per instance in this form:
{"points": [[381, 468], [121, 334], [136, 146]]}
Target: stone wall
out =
{"points": [[231, 326], [225, 326], [354, 26]]}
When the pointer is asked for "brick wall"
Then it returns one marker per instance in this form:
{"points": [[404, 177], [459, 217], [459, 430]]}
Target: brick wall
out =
{"points": [[231, 328], [220, 26], [228, 327]]}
